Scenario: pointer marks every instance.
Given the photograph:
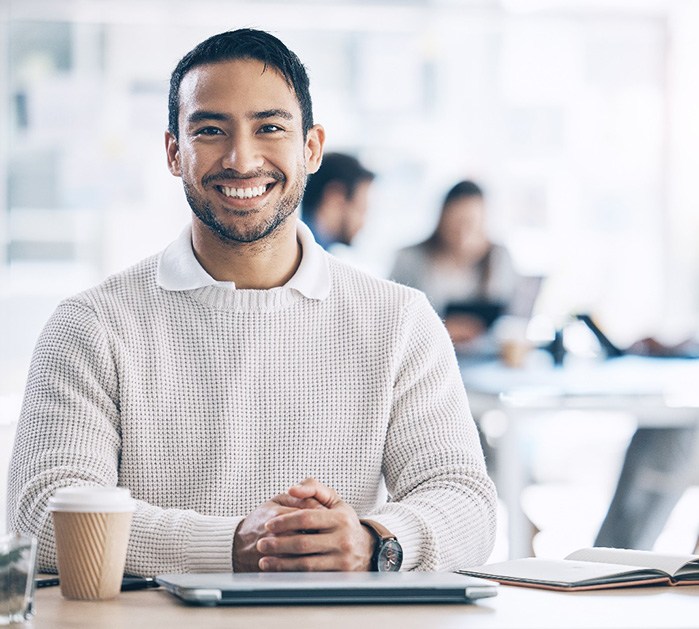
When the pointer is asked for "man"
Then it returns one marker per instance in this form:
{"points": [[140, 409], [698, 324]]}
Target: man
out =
{"points": [[212, 378], [336, 199]]}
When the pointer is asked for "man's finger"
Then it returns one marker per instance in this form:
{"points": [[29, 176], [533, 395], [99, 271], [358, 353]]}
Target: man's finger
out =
{"points": [[286, 500], [312, 488], [311, 544], [304, 563], [302, 520]]}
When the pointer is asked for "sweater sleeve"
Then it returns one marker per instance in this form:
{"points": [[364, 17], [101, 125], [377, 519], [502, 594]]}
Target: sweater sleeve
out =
{"points": [[443, 503], [69, 433]]}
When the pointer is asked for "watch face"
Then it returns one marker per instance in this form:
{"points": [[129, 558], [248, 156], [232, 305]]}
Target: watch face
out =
{"points": [[390, 557]]}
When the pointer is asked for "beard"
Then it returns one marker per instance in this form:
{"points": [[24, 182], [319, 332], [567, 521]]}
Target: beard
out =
{"points": [[237, 233]]}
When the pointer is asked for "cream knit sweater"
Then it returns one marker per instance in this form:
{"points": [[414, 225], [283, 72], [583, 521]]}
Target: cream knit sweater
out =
{"points": [[208, 402]]}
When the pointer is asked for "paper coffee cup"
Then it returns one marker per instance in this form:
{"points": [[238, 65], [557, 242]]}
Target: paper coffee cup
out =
{"points": [[92, 532], [511, 335], [514, 352]]}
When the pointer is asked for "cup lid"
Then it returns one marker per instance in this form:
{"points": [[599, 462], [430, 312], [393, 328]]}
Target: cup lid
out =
{"points": [[89, 498]]}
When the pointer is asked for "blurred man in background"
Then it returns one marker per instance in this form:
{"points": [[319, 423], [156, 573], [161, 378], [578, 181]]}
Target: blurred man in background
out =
{"points": [[336, 200]]}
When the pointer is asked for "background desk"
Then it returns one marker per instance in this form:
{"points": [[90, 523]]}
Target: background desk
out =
{"points": [[657, 391], [513, 608]]}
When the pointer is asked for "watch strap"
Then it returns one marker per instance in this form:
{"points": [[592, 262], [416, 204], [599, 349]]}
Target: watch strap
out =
{"points": [[379, 530]]}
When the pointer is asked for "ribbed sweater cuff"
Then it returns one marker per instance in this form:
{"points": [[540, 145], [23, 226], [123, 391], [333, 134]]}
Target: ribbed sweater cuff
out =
{"points": [[211, 544], [407, 530]]}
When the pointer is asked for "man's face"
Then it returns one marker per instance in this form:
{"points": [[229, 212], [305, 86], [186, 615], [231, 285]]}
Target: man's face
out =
{"points": [[241, 153], [354, 213]]}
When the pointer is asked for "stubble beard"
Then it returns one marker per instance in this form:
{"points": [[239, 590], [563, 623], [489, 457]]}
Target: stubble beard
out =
{"points": [[232, 233]]}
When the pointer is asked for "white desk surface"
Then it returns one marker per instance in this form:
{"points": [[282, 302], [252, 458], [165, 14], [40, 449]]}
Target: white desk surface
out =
{"points": [[513, 608], [635, 383]]}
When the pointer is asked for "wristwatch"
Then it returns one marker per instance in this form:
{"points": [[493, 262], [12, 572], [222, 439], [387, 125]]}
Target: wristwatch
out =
{"points": [[388, 553]]}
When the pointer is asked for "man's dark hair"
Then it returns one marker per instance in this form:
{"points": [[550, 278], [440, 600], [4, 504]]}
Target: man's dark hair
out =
{"points": [[461, 190], [244, 43], [335, 168]]}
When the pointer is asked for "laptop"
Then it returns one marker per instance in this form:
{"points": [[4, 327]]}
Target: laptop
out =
{"points": [[521, 304], [303, 588], [485, 311]]}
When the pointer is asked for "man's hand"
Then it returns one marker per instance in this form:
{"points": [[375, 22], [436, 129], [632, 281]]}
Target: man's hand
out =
{"points": [[246, 557], [328, 537]]}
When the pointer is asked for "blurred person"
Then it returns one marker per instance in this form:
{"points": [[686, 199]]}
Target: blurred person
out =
{"points": [[336, 200], [656, 471], [459, 263], [213, 378]]}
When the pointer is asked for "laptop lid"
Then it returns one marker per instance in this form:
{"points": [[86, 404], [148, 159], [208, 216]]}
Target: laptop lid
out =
{"points": [[302, 588]]}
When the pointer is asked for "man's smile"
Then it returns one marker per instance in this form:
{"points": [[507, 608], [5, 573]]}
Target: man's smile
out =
{"points": [[244, 193]]}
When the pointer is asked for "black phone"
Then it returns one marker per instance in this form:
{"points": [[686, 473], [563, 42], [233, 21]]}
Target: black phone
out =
{"points": [[128, 583]]}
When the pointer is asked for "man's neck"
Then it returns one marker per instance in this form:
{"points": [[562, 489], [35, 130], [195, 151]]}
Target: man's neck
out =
{"points": [[257, 265]]}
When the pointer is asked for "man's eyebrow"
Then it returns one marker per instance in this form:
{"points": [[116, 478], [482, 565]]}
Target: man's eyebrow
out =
{"points": [[272, 113], [201, 115], [198, 116]]}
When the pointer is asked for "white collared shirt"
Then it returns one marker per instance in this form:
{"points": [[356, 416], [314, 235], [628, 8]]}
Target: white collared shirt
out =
{"points": [[179, 269]]}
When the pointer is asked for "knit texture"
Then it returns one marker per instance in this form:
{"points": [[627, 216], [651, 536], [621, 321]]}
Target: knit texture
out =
{"points": [[206, 403]]}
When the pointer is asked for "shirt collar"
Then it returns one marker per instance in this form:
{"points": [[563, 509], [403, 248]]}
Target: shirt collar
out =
{"points": [[179, 269]]}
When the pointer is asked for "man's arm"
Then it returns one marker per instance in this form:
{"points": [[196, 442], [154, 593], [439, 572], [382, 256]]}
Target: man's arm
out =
{"points": [[443, 503], [70, 434]]}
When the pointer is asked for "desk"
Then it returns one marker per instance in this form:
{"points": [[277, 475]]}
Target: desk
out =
{"points": [[513, 608], [657, 391]]}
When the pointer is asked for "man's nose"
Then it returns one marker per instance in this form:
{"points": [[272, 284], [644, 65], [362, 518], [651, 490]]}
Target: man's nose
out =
{"points": [[242, 155]]}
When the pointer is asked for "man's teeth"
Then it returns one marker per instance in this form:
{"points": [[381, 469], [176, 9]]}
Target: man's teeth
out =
{"points": [[243, 193]]}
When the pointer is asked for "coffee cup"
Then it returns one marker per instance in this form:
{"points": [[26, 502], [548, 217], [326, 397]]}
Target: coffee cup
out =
{"points": [[92, 527], [514, 352], [511, 335]]}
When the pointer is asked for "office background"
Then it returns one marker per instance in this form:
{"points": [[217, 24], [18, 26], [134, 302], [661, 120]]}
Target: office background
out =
{"points": [[579, 117]]}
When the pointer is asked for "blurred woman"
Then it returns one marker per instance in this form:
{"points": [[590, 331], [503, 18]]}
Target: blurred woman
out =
{"points": [[459, 264]]}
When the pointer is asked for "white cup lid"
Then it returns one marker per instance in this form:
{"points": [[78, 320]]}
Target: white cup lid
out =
{"points": [[91, 498]]}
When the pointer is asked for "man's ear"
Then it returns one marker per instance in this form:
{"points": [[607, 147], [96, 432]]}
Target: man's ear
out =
{"points": [[173, 154], [315, 140]]}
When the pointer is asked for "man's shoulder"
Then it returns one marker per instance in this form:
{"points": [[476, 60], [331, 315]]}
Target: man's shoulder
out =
{"points": [[360, 286], [131, 284]]}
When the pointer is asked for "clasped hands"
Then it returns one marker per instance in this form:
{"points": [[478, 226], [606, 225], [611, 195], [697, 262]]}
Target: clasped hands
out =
{"points": [[308, 528]]}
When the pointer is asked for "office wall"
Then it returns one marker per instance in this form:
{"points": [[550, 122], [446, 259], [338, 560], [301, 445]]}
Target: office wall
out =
{"points": [[578, 118]]}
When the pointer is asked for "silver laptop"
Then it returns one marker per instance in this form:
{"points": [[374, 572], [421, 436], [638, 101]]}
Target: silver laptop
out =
{"points": [[301, 588]]}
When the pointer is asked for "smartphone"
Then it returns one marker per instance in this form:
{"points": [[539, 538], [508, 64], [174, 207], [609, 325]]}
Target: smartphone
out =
{"points": [[127, 583]]}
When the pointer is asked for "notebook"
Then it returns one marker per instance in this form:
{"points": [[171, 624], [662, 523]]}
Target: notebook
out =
{"points": [[302, 588]]}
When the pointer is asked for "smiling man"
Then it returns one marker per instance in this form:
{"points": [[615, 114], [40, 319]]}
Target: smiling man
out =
{"points": [[269, 407]]}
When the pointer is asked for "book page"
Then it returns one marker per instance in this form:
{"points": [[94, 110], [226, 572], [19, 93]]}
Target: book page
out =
{"points": [[561, 571], [642, 558]]}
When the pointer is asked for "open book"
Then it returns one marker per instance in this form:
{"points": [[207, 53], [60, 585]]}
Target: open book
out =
{"points": [[594, 568]]}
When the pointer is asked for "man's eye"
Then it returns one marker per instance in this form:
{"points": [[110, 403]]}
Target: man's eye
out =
{"points": [[209, 131], [270, 128]]}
